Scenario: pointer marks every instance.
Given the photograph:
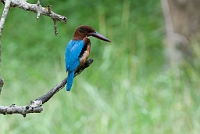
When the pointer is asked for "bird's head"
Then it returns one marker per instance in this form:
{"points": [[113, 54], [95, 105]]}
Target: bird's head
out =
{"points": [[87, 31]]}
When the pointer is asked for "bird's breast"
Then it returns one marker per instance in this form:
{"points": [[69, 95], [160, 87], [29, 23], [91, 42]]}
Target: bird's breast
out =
{"points": [[85, 55], [85, 51]]}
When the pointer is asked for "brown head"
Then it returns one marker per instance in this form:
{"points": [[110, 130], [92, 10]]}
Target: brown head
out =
{"points": [[87, 31]]}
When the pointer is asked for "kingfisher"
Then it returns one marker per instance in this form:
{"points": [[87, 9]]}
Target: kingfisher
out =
{"points": [[78, 50]]}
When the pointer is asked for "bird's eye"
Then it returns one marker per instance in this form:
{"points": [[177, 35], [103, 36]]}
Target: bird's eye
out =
{"points": [[89, 31], [81, 30]]}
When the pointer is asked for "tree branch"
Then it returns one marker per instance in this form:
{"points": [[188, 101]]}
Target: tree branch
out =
{"points": [[1, 84], [33, 107], [36, 105], [4, 15], [37, 8], [53, 91], [2, 22]]}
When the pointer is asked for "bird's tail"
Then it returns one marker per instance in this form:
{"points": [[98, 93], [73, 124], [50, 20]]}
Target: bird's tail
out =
{"points": [[70, 79]]}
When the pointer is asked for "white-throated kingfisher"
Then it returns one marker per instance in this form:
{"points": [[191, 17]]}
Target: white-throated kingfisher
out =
{"points": [[78, 50]]}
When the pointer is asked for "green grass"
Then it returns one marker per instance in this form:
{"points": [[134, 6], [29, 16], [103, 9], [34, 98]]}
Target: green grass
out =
{"points": [[125, 91]]}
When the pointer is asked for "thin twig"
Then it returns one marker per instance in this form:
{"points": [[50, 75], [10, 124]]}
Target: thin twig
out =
{"points": [[4, 15], [2, 22], [55, 27]]}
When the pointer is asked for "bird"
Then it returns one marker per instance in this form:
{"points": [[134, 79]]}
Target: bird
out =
{"points": [[78, 50]]}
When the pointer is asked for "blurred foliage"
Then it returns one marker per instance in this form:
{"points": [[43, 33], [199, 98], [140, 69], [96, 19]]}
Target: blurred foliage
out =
{"points": [[125, 90]]}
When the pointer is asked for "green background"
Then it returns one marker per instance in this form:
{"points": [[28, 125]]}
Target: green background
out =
{"points": [[126, 90]]}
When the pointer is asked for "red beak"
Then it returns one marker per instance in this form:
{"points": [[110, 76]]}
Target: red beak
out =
{"points": [[99, 36]]}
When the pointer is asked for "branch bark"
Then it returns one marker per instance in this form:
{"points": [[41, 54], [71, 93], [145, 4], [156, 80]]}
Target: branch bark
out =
{"points": [[37, 8], [36, 105], [2, 22], [4, 15], [53, 91]]}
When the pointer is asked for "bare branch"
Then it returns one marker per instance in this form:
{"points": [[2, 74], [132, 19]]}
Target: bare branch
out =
{"points": [[2, 22], [4, 15], [33, 107], [55, 27], [37, 8], [53, 91], [36, 105]]}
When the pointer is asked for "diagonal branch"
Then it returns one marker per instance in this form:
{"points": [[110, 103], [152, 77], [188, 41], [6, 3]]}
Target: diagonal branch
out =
{"points": [[36, 105], [53, 91]]}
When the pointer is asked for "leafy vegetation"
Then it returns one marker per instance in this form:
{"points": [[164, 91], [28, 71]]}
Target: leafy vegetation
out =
{"points": [[126, 90]]}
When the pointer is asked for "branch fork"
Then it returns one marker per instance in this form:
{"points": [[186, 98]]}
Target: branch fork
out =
{"points": [[37, 8]]}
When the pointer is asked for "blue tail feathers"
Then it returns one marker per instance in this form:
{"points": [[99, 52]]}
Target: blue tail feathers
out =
{"points": [[70, 79]]}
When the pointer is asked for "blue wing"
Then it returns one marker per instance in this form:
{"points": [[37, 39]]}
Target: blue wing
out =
{"points": [[72, 61], [72, 53]]}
